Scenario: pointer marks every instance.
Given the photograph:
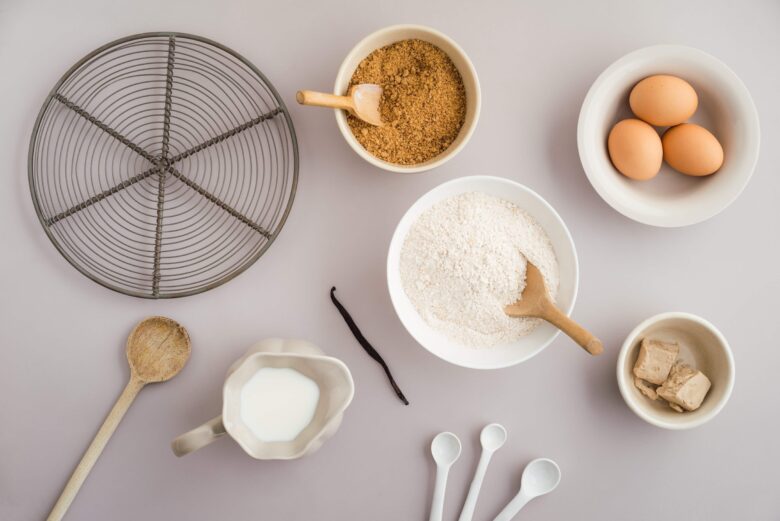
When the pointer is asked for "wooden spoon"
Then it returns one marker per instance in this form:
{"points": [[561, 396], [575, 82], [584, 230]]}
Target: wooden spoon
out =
{"points": [[535, 302], [362, 101], [157, 349]]}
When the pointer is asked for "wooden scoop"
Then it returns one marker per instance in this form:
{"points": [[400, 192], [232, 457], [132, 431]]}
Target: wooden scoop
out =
{"points": [[535, 302], [157, 349], [362, 101]]}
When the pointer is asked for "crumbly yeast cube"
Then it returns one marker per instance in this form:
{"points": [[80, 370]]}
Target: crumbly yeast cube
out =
{"points": [[675, 407], [645, 388], [655, 360], [685, 387]]}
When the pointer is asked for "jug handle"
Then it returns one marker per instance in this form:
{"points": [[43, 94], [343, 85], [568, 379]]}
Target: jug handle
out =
{"points": [[198, 437]]}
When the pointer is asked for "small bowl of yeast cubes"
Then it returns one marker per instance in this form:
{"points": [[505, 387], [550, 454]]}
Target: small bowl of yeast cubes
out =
{"points": [[430, 102], [696, 344], [668, 136]]}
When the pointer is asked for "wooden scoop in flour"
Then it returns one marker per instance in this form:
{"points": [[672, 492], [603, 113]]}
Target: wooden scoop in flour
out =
{"points": [[157, 349], [535, 302], [362, 101]]}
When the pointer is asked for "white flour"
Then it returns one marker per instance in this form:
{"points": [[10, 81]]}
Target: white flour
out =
{"points": [[464, 260]]}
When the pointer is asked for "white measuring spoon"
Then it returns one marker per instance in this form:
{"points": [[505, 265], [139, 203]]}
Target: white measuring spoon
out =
{"points": [[446, 450], [540, 477], [491, 438]]}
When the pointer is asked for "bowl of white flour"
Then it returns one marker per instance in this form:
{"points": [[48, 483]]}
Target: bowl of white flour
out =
{"points": [[459, 255]]}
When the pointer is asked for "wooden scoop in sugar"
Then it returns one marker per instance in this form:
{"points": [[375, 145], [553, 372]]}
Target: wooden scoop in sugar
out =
{"points": [[362, 101]]}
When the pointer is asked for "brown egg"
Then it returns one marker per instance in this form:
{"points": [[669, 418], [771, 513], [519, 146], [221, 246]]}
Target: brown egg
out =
{"points": [[692, 150], [635, 149], [663, 100]]}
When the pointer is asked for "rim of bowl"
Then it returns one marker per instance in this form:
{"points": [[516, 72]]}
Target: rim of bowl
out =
{"points": [[500, 180], [590, 170], [447, 154], [625, 389]]}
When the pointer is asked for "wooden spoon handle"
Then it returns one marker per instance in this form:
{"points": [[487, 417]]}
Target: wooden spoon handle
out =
{"points": [[95, 449], [322, 99], [579, 334]]}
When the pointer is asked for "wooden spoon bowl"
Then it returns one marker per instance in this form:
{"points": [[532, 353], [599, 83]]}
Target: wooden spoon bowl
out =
{"points": [[157, 349]]}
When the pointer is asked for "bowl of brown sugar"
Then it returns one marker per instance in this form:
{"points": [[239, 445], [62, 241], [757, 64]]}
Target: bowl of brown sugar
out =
{"points": [[430, 98]]}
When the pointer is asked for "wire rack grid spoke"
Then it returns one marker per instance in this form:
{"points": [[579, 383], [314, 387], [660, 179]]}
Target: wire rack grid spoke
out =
{"points": [[163, 165]]}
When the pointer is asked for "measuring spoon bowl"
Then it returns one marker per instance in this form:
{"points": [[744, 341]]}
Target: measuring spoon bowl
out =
{"points": [[492, 437], [540, 477], [445, 449]]}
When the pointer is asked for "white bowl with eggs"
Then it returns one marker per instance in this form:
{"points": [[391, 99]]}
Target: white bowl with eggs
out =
{"points": [[725, 108], [702, 346], [396, 33], [500, 355]]}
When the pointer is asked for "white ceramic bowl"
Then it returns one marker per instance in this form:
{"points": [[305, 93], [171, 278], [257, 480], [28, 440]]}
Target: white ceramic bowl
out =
{"points": [[701, 345], [501, 355], [725, 108], [394, 34]]}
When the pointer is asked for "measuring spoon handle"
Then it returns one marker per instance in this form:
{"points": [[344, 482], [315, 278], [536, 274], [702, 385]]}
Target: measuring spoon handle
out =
{"points": [[95, 449], [437, 505], [476, 484], [513, 507]]}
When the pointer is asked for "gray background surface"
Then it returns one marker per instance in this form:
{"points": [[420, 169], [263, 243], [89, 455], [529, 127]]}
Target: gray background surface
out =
{"points": [[62, 336]]}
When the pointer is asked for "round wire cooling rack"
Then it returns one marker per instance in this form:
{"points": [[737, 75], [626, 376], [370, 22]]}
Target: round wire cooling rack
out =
{"points": [[163, 165]]}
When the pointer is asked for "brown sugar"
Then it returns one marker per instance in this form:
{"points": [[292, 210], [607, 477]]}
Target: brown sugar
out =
{"points": [[423, 103]]}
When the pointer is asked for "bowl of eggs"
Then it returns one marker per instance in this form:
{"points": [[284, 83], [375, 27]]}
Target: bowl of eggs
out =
{"points": [[668, 136]]}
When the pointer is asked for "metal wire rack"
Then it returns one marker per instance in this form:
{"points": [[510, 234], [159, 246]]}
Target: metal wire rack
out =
{"points": [[163, 165]]}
